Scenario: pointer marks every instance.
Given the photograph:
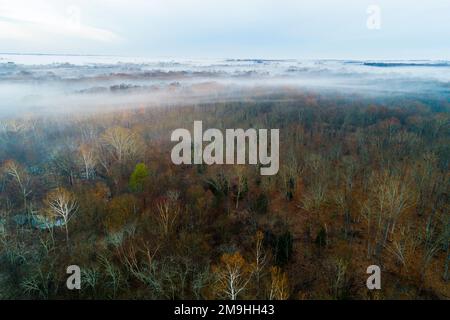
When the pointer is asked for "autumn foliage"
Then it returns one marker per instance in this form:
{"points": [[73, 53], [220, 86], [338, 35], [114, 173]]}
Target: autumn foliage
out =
{"points": [[362, 181]]}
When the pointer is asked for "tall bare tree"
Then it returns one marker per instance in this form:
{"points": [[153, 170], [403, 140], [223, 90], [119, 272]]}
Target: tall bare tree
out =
{"points": [[260, 257], [123, 143], [89, 159], [389, 197], [20, 177], [62, 204], [168, 211]]}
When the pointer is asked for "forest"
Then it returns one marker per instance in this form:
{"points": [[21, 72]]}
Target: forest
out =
{"points": [[363, 180]]}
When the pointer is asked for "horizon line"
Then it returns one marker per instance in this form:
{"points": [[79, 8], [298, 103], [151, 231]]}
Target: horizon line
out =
{"points": [[198, 58]]}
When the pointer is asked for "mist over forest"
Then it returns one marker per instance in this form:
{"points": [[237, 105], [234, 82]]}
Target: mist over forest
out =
{"points": [[49, 84], [86, 179], [224, 158]]}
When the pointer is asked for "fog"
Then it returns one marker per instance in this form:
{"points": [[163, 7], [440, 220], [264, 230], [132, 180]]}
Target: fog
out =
{"points": [[43, 85]]}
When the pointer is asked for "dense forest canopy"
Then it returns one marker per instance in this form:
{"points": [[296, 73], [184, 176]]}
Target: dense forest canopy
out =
{"points": [[362, 181]]}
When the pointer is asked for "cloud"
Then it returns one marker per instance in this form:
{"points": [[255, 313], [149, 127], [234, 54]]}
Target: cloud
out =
{"points": [[24, 19], [333, 29]]}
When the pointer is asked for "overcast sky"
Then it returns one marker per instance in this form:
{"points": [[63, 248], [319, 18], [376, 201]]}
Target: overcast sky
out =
{"points": [[409, 29]]}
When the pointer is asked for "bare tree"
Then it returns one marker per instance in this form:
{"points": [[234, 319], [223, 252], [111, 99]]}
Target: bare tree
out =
{"points": [[279, 287], [14, 170], [396, 197], [289, 173], [240, 184], [392, 197], [123, 143], [260, 257], [168, 211], [62, 204], [317, 178], [339, 280], [89, 159]]}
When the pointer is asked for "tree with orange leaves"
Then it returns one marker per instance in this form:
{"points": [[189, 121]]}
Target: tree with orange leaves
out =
{"points": [[233, 274], [279, 288]]}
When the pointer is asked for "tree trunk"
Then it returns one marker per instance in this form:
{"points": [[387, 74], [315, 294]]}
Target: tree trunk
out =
{"points": [[67, 232]]}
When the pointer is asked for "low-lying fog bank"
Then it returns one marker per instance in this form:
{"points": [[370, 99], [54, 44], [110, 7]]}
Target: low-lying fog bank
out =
{"points": [[45, 84]]}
